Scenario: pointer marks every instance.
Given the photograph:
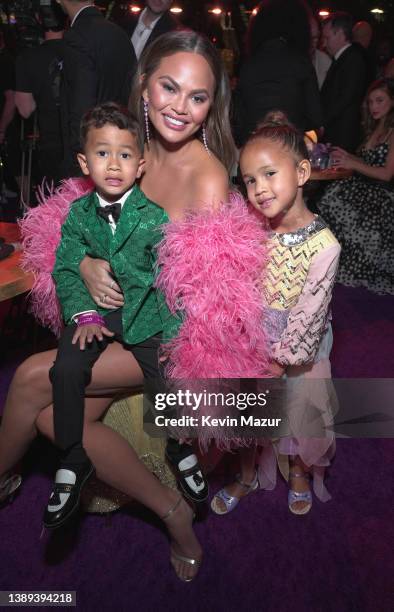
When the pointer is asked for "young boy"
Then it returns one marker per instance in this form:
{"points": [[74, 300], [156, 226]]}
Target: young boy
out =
{"points": [[115, 222]]}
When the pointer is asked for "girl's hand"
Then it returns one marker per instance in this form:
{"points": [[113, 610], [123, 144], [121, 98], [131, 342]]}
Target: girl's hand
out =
{"points": [[342, 159], [86, 333], [97, 276], [276, 369]]}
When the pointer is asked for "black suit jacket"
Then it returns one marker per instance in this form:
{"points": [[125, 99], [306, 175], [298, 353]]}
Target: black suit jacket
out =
{"points": [[99, 62], [342, 94], [166, 23], [277, 77]]}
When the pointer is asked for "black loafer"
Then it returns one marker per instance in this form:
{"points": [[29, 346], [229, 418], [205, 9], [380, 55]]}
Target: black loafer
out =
{"points": [[66, 494], [191, 481]]}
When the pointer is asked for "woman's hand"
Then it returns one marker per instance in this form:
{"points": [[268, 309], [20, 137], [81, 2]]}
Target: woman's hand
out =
{"points": [[342, 159], [98, 278]]}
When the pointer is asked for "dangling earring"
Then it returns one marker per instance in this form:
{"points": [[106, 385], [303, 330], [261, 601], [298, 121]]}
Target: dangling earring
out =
{"points": [[146, 119], [204, 138]]}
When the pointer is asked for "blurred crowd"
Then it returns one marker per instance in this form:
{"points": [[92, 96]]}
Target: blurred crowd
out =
{"points": [[316, 71]]}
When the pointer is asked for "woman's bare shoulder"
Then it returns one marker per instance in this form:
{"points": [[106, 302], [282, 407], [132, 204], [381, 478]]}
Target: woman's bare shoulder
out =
{"points": [[210, 183]]}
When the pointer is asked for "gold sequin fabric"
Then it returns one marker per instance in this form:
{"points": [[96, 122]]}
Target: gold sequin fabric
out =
{"points": [[290, 258], [125, 416]]}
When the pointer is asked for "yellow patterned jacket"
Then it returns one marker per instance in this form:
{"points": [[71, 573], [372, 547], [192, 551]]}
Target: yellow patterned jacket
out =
{"points": [[297, 291]]}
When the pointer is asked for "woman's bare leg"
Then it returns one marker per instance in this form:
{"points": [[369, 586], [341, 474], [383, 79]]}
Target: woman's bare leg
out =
{"points": [[31, 391], [118, 465], [114, 459]]}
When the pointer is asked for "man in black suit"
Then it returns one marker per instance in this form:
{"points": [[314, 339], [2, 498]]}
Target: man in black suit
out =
{"points": [[99, 62], [344, 86], [154, 20], [38, 82]]}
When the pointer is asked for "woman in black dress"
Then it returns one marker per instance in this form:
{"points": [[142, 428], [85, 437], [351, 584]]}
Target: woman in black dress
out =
{"points": [[360, 210]]}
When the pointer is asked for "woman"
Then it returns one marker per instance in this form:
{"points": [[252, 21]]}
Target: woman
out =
{"points": [[360, 210], [183, 95]]}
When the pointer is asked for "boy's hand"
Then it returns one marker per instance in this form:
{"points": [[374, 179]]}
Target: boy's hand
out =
{"points": [[86, 333]]}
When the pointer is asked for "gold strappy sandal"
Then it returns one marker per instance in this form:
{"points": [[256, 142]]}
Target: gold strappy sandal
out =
{"points": [[9, 484], [176, 556]]}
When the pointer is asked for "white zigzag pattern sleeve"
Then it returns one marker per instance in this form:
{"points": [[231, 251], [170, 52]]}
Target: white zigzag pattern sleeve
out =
{"points": [[308, 318]]}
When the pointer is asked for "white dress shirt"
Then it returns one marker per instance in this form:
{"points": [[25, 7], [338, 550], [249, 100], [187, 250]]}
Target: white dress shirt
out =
{"points": [[321, 62], [121, 201], [142, 33]]}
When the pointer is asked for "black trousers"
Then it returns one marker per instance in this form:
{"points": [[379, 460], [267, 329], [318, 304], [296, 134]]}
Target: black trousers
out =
{"points": [[72, 371]]}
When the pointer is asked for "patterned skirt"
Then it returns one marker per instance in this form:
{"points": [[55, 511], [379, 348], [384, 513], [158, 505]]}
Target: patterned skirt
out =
{"points": [[360, 212]]}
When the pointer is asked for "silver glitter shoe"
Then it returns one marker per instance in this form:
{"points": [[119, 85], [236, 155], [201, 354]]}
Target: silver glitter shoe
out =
{"points": [[231, 501], [295, 496]]}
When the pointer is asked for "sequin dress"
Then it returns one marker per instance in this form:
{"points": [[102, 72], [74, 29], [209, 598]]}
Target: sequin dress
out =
{"points": [[360, 212], [297, 292]]}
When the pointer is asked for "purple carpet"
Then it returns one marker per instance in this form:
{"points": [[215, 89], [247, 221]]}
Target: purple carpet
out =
{"points": [[339, 558]]}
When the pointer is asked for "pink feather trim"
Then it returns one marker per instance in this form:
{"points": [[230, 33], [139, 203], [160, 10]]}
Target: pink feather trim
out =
{"points": [[212, 267], [41, 232]]}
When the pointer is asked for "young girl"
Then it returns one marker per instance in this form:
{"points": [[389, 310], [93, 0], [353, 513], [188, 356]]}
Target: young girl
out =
{"points": [[297, 293], [360, 210]]}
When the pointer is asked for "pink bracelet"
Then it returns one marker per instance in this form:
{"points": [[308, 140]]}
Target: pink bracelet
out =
{"points": [[90, 318]]}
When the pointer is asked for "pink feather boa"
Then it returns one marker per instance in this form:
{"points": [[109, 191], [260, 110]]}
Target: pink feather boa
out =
{"points": [[211, 265], [211, 270], [41, 232]]}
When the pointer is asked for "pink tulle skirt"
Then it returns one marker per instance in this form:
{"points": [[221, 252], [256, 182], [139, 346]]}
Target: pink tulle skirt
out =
{"points": [[308, 386]]}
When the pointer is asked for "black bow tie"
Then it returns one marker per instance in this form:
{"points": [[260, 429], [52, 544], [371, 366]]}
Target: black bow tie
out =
{"points": [[111, 209]]}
